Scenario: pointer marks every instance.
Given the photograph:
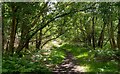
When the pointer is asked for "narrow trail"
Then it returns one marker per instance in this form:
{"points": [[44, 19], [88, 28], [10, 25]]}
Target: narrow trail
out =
{"points": [[69, 65]]}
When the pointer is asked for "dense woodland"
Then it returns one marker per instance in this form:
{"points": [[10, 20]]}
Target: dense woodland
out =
{"points": [[61, 37]]}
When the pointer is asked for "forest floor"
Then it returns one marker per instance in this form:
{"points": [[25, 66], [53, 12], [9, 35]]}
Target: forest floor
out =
{"points": [[79, 60], [69, 65]]}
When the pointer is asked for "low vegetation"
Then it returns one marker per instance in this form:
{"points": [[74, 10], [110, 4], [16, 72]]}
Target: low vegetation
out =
{"points": [[57, 37]]}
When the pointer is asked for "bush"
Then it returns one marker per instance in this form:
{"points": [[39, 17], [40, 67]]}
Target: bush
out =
{"points": [[16, 64], [56, 56], [104, 54]]}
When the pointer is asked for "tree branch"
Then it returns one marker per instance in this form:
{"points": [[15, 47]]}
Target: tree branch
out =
{"points": [[54, 38], [29, 36]]}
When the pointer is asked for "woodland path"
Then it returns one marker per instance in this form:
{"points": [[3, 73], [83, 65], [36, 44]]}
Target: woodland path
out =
{"points": [[69, 65]]}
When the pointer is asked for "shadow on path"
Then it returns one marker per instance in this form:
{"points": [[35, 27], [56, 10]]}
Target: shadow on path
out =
{"points": [[69, 65]]}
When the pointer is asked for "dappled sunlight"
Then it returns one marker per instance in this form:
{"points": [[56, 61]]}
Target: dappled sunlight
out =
{"points": [[70, 37], [80, 68], [82, 55], [56, 43]]}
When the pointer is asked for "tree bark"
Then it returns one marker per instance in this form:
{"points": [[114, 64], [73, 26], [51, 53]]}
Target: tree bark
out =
{"points": [[27, 45], [112, 40], [3, 38], [13, 29], [93, 32], [101, 38], [118, 35], [24, 32], [39, 40]]}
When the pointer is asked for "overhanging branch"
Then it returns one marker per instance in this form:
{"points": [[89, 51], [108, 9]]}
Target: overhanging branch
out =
{"points": [[29, 36]]}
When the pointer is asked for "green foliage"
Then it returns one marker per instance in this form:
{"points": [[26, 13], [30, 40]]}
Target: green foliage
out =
{"points": [[32, 61], [72, 23], [56, 56], [75, 49], [87, 58], [107, 52], [24, 64], [104, 54], [111, 66]]}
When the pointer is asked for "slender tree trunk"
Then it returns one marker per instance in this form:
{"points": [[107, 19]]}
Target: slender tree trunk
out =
{"points": [[23, 39], [112, 40], [93, 32], [88, 30], [101, 38], [39, 40], [13, 29], [24, 32], [3, 38], [89, 39], [118, 35], [27, 45], [7, 45]]}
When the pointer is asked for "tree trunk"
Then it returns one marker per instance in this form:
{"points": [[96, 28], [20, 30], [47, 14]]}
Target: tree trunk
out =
{"points": [[7, 45], [118, 35], [112, 40], [13, 29], [3, 38], [23, 38], [27, 45], [101, 38], [39, 40], [89, 39], [88, 30], [93, 32]]}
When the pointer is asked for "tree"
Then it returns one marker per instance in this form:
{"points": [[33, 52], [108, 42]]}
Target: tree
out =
{"points": [[83, 23], [118, 32], [118, 35]]}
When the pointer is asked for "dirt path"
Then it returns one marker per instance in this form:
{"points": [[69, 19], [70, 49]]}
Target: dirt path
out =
{"points": [[68, 66]]}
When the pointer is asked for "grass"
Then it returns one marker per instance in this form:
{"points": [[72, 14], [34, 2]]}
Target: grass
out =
{"points": [[57, 56], [85, 58]]}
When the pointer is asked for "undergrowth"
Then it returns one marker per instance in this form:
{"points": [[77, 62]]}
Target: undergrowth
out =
{"points": [[99, 60]]}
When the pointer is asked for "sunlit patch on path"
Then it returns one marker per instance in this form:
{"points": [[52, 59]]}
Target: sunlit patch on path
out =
{"points": [[79, 68], [69, 65]]}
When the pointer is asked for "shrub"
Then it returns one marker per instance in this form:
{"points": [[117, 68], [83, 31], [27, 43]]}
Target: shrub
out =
{"points": [[104, 54], [16, 64]]}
